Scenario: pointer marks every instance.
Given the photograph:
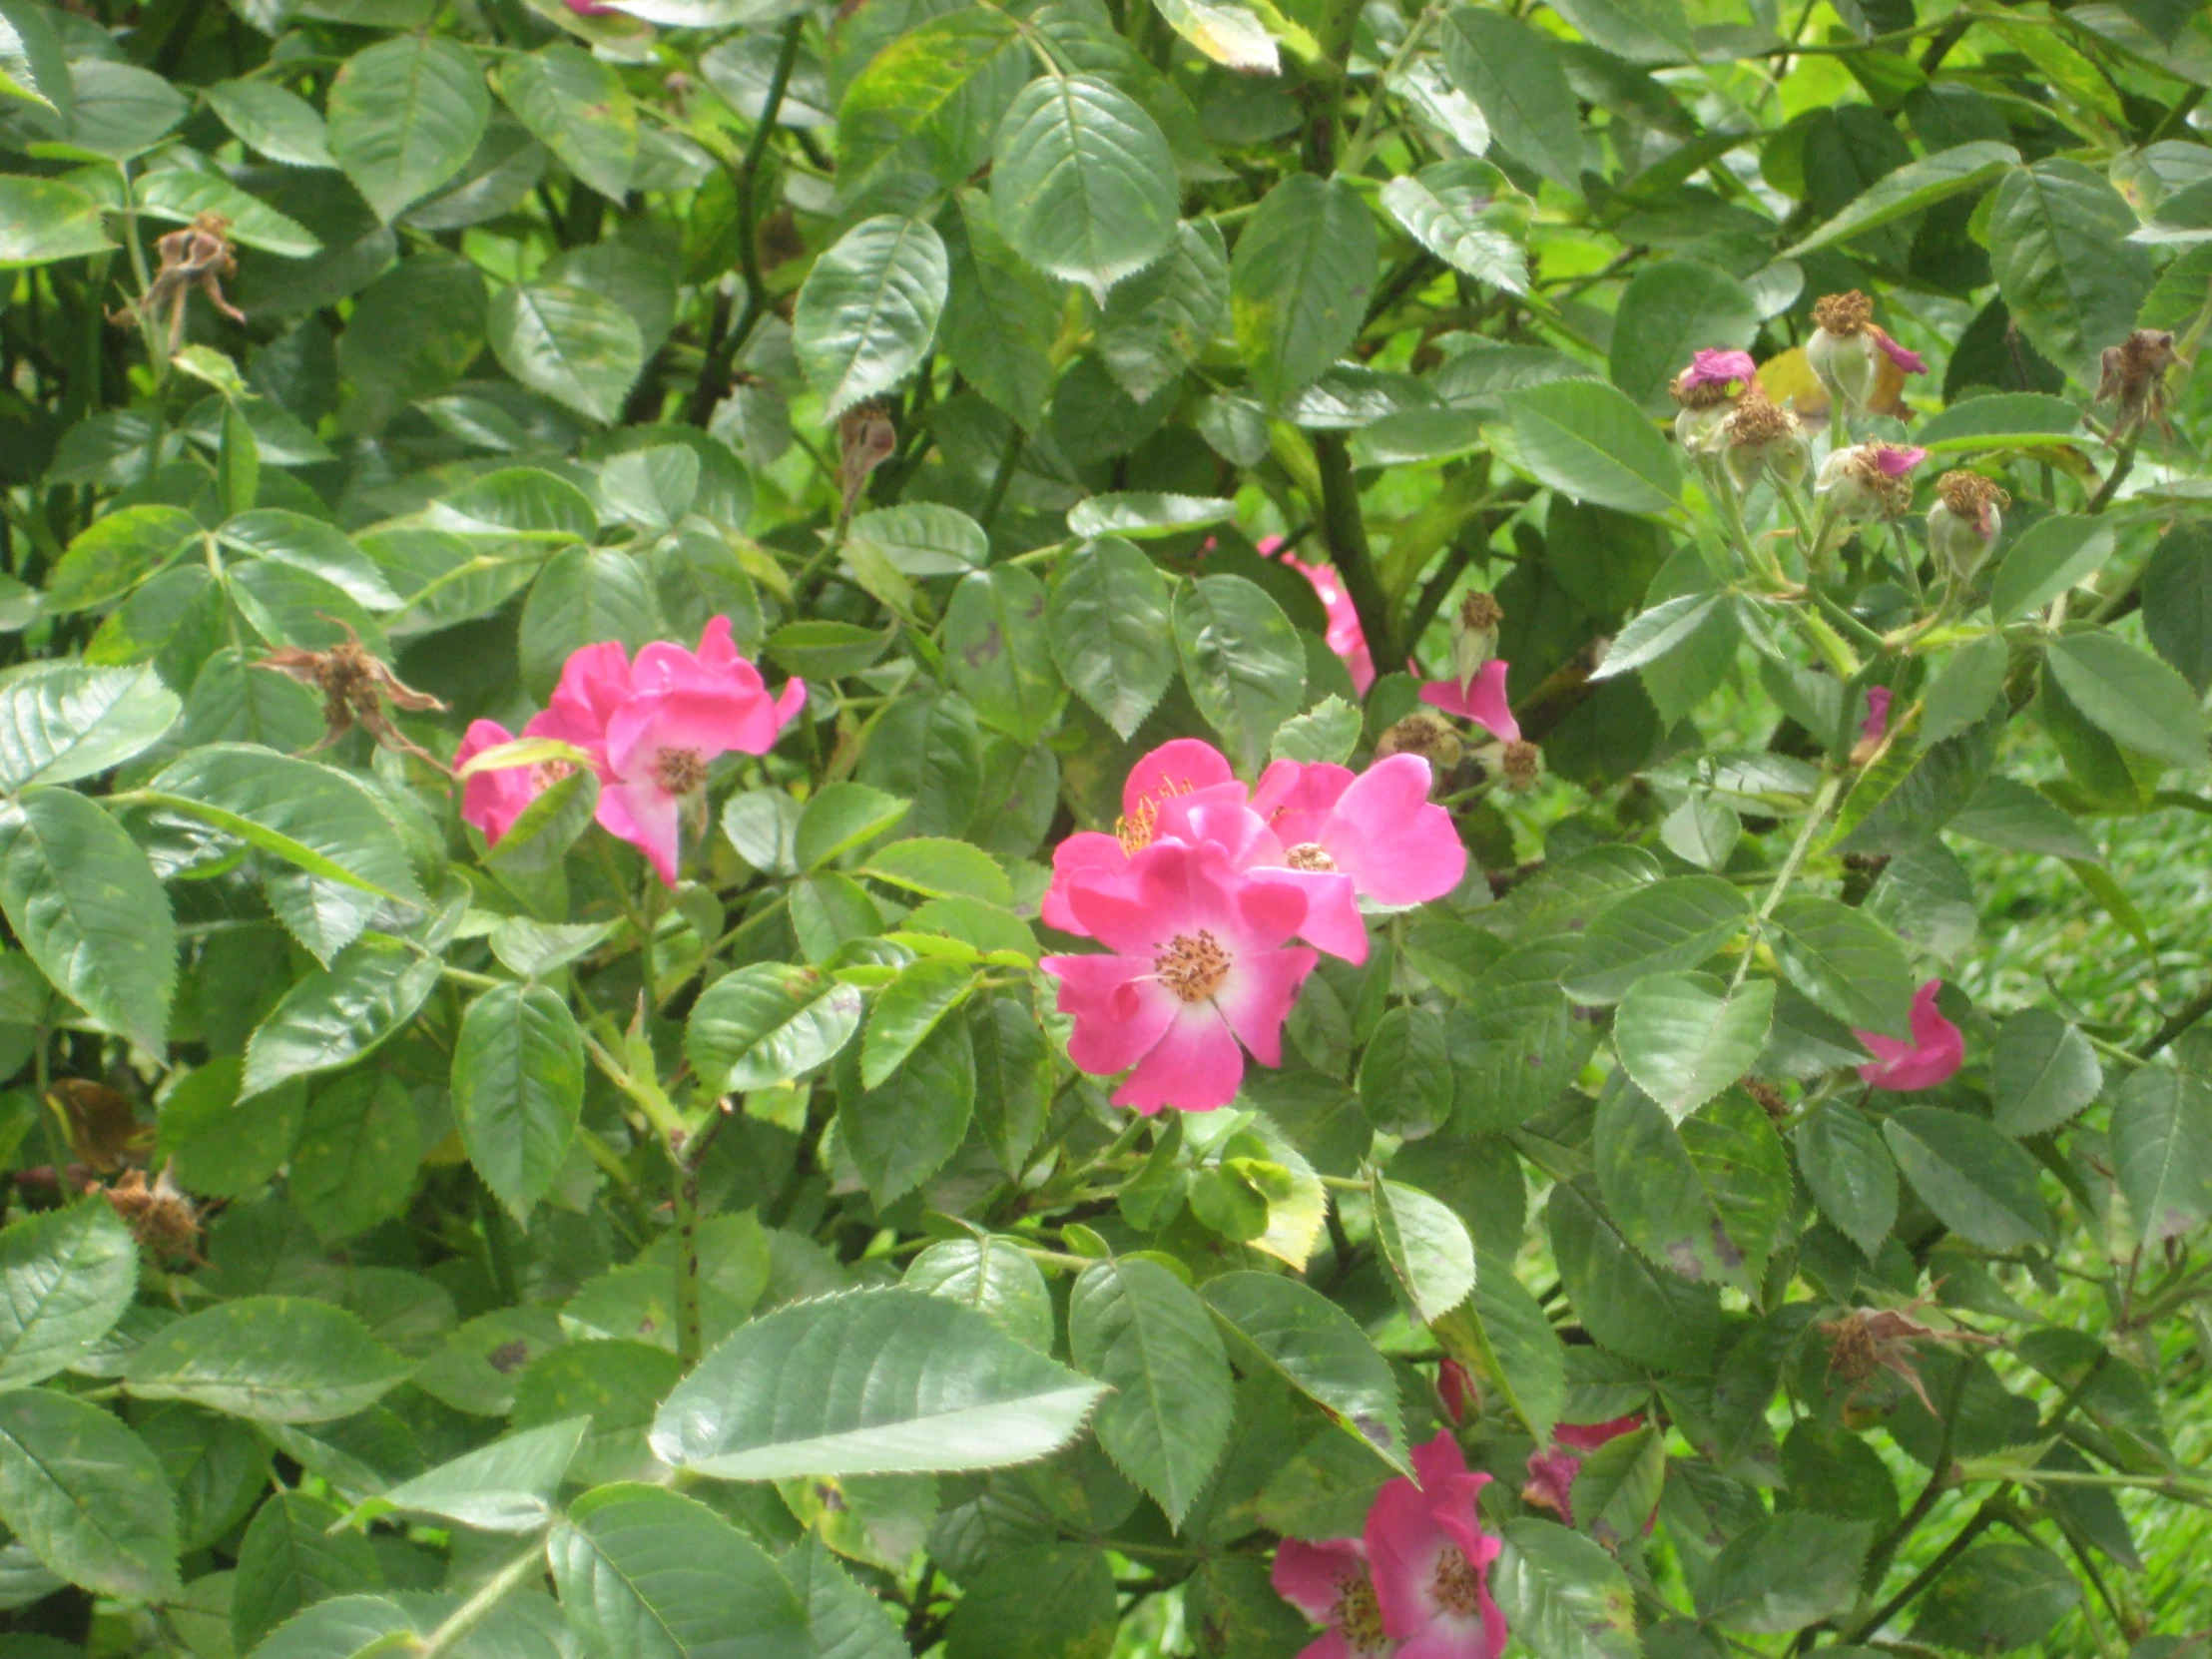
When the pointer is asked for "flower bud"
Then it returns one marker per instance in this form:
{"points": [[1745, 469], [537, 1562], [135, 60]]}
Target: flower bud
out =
{"points": [[1965, 523], [1474, 635], [1763, 440], [1869, 480], [1841, 351]]}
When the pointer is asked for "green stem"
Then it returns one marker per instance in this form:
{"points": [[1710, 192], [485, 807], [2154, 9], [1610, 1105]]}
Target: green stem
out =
{"points": [[477, 1607], [690, 1322], [1815, 815], [1346, 532], [1362, 136]]}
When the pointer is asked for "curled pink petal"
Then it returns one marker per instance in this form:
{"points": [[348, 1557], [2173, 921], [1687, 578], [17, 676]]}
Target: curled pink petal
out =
{"points": [[1937, 1050], [1878, 711], [1912, 362], [492, 801], [1896, 459], [1588, 1437], [1482, 701], [1719, 369]]}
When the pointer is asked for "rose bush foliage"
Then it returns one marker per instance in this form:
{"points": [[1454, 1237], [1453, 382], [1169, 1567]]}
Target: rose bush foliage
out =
{"points": [[1096, 827]]}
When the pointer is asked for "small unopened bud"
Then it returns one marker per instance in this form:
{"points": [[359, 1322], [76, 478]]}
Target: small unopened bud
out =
{"points": [[1522, 762], [1965, 523], [1869, 480], [1763, 440], [1474, 635], [1426, 735]]}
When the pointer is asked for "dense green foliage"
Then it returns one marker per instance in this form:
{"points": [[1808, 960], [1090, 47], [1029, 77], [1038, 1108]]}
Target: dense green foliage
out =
{"points": [[681, 1225]]}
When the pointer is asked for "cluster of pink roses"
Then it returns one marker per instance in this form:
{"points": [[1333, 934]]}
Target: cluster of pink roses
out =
{"points": [[1415, 1583], [1199, 893], [650, 729]]}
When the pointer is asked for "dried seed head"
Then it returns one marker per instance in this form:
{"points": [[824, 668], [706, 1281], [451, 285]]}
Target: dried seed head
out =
{"points": [[1522, 764], [1843, 314], [1481, 610], [1967, 493], [1426, 735], [160, 1217], [2133, 375]]}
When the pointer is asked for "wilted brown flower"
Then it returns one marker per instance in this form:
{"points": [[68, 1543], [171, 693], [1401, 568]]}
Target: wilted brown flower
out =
{"points": [[200, 254], [1870, 1339], [865, 440], [1523, 765], [355, 688], [160, 1217], [1843, 314], [2134, 377]]}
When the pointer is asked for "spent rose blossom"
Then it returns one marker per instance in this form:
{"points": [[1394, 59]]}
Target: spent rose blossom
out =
{"points": [[1937, 1050], [1431, 1559], [1197, 968], [1481, 700], [1865, 480], [1329, 1582], [1847, 348], [1707, 391]]}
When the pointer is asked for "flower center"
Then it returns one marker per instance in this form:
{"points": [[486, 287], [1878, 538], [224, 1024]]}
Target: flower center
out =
{"points": [[546, 774], [1192, 966], [1458, 1586], [1358, 1615], [1134, 830], [1309, 855], [679, 771]]}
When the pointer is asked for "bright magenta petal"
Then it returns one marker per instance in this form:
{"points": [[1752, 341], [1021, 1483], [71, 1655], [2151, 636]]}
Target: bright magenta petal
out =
{"points": [[1404, 1544], [1483, 702], [1333, 920], [1934, 1054], [1195, 1067], [1398, 847], [1296, 797], [1085, 855], [1175, 768], [648, 818], [1257, 996], [492, 801], [1120, 1010], [1311, 1577]]}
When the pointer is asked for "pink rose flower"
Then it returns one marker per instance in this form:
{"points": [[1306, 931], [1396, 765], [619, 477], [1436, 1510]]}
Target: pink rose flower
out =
{"points": [[1431, 1559], [1329, 1582], [1912, 362], [1482, 700], [1718, 368], [1937, 1050], [1183, 767], [1198, 963], [1345, 637], [1378, 827], [1878, 711], [492, 801], [1551, 1473]]}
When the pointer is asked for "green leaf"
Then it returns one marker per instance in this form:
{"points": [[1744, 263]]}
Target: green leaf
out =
{"points": [[1642, 31], [345, 859], [517, 503], [1845, 962], [345, 1627], [1140, 1331], [576, 346], [273, 1358], [993, 1276], [647, 1573], [1591, 442], [66, 1277], [290, 1560], [583, 596], [900, 1131], [1300, 281], [1746, 1171], [43, 219], [1013, 1077], [1155, 324], [1914, 187], [1655, 1192], [2007, 421], [64, 722], [1108, 614], [1318, 1348], [938, 868], [1852, 1175], [82, 900], [2177, 601], [1001, 314], [1653, 635], [1242, 660], [355, 1163], [1145, 515], [2162, 1136], [2135, 698], [2058, 247], [405, 116], [1997, 1598], [115, 552], [767, 1024], [1519, 1041], [1684, 1037], [1083, 180], [311, 545], [840, 818], [931, 100], [1224, 31], [1466, 214], [1960, 696], [86, 1496], [1327, 733], [1532, 1363], [506, 1486], [637, 1300], [868, 309], [880, 1381], [577, 107], [280, 123], [1668, 311], [1638, 1311], [1980, 1184], [1565, 1596], [1426, 1246], [518, 1090], [999, 647], [1515, 75], [1655, 929], [335, 1015], [924, 539], [2050, 557], [1787, 1571], [2044, 1072], [1405, 1074]]}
